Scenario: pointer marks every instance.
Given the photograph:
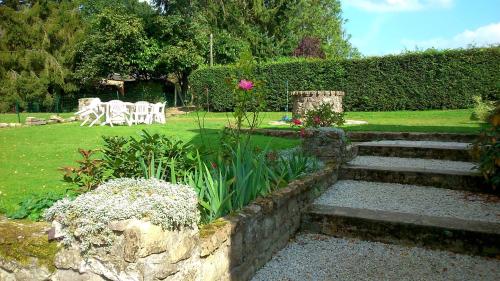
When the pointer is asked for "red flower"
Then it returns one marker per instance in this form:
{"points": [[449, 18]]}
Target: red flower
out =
{"points": [[316, 120], [214, 165], [302, 133], [297, 122]]}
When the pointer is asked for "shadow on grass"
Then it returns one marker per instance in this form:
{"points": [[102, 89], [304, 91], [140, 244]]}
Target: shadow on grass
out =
{"points": [[211, 139]]}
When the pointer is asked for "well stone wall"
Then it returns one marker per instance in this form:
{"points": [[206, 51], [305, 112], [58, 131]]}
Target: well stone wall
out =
{"points": [[304, 101]]}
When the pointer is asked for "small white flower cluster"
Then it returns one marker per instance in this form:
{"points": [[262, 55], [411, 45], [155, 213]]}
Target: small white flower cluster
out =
{"points": [[86, 218]]}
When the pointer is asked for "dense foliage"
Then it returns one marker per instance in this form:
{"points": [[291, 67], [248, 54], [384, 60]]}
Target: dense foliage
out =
{"points": [[37, 47], [225, 180], [62, 49], [487, 150], [323, 116], [131, 157], [415, 81]]}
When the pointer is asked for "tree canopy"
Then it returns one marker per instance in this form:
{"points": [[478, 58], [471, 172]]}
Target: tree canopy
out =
{"points": [[51, 48]]}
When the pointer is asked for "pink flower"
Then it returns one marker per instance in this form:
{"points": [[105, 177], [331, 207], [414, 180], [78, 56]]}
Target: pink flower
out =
{"points": [[245, 85], [317, 120], [296, 122]]}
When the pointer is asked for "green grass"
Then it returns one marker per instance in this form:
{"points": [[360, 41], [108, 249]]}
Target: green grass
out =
{"points": [[30, 156], [12, 117], [447, 121]]}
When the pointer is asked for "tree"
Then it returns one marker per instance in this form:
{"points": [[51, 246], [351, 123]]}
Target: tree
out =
{"points": [[115, 43], [309, 47], [183, 36], [36, 50]]}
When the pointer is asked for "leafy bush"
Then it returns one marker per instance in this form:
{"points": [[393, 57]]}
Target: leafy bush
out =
{"points": [[323, 116], [147, 156], [487, 150], [293, 164], [482, 109], [89, 174], [129, 157], [414, 81], [167, 205], [233, 181], [33, 207]]}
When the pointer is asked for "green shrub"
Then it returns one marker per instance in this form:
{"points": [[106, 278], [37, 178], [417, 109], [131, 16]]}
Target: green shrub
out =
{"points": [[482, 109], [414, 81], [33, 207], [89, 173], [147, 156], [323, 116], [487, 150], [240, 175], [128, 157]]}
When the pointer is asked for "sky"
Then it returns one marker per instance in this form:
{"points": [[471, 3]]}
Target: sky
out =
{"points": [[380, 27]]}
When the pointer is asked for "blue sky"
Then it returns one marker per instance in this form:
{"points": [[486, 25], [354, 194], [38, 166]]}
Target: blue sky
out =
{"points": [[381, 27]]}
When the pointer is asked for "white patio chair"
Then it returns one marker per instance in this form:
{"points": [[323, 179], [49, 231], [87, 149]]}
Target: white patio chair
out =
{"points": [[142, 113], [91, 111], [158, 112], [117, 113]]}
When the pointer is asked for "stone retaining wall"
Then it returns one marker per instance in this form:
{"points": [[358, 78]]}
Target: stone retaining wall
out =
{"points": [[231, 248]]}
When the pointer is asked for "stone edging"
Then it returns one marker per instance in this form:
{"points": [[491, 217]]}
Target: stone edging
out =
{"points": [[373, 135]]}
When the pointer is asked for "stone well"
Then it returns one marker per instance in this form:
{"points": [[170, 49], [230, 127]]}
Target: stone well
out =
{"points": [[304, 101]]}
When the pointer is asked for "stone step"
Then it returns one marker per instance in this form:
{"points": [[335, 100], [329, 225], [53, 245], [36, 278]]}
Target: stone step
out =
{"points": [[411, 136], [430, 217], [320, 257], [454, 151], [428, 172]]}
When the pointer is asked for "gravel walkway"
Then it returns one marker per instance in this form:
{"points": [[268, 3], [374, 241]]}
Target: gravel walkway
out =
{"points": [[427, 144], [412, 163], [317, 257], [411, 199]]}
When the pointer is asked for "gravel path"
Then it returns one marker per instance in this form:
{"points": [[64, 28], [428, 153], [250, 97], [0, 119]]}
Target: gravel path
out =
{"points": [[317, 257], [430, 144], [411, 199], [412, 163]]}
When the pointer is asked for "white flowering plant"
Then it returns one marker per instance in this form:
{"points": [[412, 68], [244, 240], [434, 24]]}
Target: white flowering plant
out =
{"points": [[85, 220]]}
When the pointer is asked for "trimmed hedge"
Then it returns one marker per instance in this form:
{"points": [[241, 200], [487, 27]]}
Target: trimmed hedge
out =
{"points": [[415, 81]]}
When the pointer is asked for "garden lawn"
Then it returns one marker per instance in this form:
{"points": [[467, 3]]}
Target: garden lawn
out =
{"points": [[12, 117], [30, 156], [446, 121]]}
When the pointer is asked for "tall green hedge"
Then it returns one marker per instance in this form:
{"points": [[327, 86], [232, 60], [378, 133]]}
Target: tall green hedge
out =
{"points": [[414, 81]]}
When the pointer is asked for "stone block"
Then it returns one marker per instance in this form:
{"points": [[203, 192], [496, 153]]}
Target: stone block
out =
{"points": [[157, 266], [65, 275], [33, 121], [268, 226], [68, 258], [56, 119], [142, 239]]}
